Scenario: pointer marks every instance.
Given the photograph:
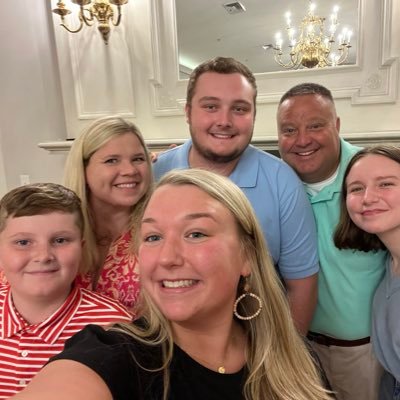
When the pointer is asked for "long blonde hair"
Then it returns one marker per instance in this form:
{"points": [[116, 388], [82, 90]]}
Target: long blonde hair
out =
{"points": [[279, 365], [92, 139]]}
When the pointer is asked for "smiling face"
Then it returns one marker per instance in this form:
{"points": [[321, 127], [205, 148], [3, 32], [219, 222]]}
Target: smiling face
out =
{"points": [[190, 258], [373, 194], [118, 174], [308, 136], [221, 118], [40, 256]]}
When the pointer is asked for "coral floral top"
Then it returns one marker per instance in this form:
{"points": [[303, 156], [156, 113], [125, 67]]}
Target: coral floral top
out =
{"points": [[119, 277]]}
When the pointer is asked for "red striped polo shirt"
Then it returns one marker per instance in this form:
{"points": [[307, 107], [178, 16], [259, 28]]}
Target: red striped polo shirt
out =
{"points": [[25, 348]]}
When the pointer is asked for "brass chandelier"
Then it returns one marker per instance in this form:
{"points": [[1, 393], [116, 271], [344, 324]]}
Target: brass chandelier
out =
{"points": [[100, 10], [313, 48]]}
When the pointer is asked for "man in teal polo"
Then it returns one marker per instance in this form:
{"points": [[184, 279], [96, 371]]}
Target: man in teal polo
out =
{"points": [[309, 142]]}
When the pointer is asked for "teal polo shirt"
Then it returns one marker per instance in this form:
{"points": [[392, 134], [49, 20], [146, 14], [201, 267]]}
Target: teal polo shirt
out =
{"points": [[347, 279]]}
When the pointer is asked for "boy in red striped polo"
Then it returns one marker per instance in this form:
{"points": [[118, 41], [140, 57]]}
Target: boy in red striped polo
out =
{"points": [[41, 230]]}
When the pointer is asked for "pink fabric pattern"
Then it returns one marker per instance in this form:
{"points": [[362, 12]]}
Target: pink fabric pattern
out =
{"points": [[119, 278]]}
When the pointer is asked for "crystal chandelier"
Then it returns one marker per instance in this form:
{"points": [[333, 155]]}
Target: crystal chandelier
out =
{"points": [[313, 48], [100, 10]]}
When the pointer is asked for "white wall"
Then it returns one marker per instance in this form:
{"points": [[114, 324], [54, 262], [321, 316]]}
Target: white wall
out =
{"points": [[31, 108], [3, 184], [136, 76]]}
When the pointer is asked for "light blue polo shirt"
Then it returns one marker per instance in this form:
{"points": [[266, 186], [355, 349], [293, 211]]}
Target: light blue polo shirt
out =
{"points": [[280, 203], [348, 279]]}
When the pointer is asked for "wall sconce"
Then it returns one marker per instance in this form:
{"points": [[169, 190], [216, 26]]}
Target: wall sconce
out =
{"points": [[100, 10]]}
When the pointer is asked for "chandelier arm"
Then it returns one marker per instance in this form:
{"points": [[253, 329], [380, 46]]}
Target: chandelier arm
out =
{"points": [[72, 30], [296, 56], [88, 20], [343, 55], [119, 16], [287, 65]]}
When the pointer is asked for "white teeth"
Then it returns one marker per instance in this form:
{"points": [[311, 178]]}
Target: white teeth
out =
{"points": [[306, 153], [179, 284], [221, 136], [126, 185]]}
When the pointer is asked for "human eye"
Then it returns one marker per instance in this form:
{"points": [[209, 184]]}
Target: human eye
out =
{"points": [[386, 184], [354, 189], [315, 126], [241, 109], [61, 240], [210, 107], [196, 235], [151, 238], [111, 160], [288, 131], [139, 159], [22, 242]]}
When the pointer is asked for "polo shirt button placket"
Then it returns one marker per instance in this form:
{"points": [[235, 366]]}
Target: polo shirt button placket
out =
{"points": [[24, 353], [22, 382]]}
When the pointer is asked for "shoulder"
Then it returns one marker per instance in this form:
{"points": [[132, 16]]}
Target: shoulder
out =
{"points": [[101, 308], [96, 344], [171, 159], [347, 151], [272, 164], [172, 154], [100, 347], [129, 368]]}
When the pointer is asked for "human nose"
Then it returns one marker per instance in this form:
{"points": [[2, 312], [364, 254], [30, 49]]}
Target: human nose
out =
{"points": [[224, 118], [44, 253], [128, 168], [370, 195], [303, 139], [171, 253]]}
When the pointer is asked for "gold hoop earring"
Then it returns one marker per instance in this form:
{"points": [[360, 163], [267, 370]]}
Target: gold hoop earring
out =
{"points": [[241, 297]]}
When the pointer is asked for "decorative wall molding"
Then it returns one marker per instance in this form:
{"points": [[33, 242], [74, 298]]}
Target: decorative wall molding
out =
{"points": [[268, 142], [373, 80], [95, 78], [380, 84], [144, 54]]}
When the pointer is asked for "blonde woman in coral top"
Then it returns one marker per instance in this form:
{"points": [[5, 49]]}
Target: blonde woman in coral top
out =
{"points": [[110, 169]]}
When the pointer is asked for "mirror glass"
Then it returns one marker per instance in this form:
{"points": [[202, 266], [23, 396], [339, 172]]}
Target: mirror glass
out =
{"points": [[246, 29]]}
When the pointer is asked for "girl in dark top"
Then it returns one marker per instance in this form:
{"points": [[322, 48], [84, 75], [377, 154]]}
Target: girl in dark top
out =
{"points": [[215, 321]]}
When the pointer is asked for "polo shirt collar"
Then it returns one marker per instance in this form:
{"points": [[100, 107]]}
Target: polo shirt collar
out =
{"points": [[327, 192], [48, 330], [246, 171], [244, 174]]}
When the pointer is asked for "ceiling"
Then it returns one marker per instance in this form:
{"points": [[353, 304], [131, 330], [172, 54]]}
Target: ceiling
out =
{"points": [[205, 29]]}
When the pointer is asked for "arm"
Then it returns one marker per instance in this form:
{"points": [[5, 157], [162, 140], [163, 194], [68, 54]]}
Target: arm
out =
{"points": [[298, 262], [302, 295], [66, 380]]}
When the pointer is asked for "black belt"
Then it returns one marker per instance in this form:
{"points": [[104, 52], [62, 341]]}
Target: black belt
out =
{"points": [[330, 341]]}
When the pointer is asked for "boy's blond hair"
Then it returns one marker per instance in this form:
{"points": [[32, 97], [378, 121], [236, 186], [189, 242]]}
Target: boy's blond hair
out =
{"points": [[40, 199]]}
